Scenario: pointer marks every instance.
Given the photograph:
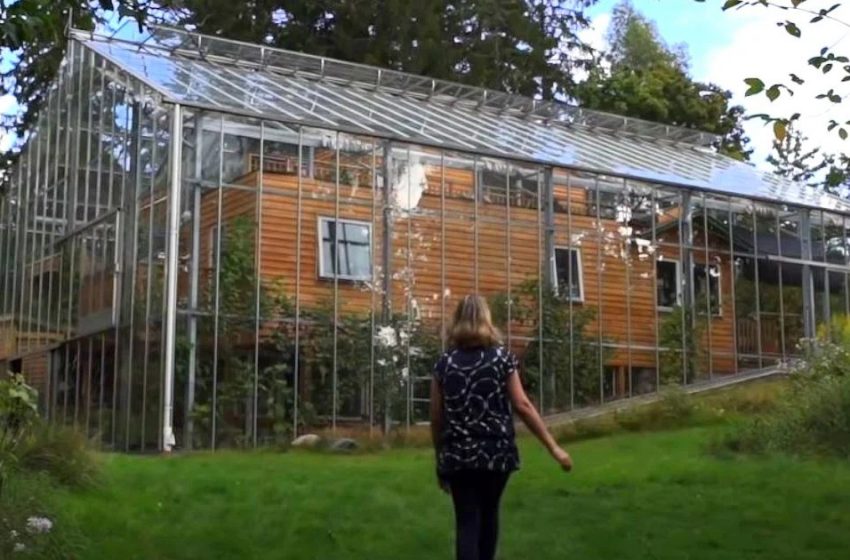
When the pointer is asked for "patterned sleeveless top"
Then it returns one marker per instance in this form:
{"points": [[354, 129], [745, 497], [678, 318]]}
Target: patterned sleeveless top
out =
{"points": [[478, 427]]}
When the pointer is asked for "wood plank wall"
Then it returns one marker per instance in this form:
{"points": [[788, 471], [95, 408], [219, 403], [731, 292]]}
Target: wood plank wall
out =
{"points": [[622, 291]]}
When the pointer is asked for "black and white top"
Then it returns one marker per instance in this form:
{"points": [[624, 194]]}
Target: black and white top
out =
{"points": [[478, 427]]}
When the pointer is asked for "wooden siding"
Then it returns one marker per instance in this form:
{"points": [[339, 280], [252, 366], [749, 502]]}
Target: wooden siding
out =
{"points": [[507, 251]]}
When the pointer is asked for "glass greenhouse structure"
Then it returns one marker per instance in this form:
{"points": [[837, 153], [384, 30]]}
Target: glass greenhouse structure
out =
{"points": [[207, 244]]}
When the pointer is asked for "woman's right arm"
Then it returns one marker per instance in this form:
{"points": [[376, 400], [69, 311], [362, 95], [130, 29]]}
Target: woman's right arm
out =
{"points": [[529, 415]]}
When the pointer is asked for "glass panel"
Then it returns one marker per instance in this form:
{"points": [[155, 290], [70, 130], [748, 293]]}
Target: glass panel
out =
{"points": [[442, 119], [668, 283]]}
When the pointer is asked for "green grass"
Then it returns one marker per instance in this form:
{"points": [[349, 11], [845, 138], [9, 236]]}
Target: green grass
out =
{"points": [[631, 496]]}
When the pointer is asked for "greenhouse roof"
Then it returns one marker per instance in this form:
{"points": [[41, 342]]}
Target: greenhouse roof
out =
{"points": [[256, 81]]}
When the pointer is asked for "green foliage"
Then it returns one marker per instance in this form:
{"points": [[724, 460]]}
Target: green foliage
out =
{"points": [[18, 414], [813, 419], [396, 340], [60, 452], [679, 336], [631, 497], [677, 409], [571, 356], [33, 31], [648, 79], [28, 522], [525, 47]]}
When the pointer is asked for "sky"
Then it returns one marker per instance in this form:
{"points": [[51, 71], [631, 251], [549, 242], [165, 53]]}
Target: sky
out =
{"points": [[726, 48]]}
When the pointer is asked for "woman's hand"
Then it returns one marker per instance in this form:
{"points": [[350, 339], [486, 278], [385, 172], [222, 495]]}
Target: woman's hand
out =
{"points": [[443, 484], [563, 458]]}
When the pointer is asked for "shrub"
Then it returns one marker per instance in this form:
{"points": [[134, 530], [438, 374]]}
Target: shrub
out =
{"points": [[59, 452], [812, 419], [28, 528]]}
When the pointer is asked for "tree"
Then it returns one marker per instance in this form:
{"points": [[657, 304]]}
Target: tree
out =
{"points": [[827, 61], [33, 39], [528, 47], [643, 77], [791, 158]]}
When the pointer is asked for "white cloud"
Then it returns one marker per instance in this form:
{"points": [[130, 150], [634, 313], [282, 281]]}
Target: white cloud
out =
{"points": [[759, 48]]}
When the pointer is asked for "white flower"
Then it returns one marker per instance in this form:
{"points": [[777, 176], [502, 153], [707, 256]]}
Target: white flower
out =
{"points": [[19, 547], [386, 337], [13, 534], [39, 525], [405, 373]]}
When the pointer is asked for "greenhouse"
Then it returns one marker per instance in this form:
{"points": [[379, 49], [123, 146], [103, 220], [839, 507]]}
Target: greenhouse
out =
{"points": [[207, 244]]}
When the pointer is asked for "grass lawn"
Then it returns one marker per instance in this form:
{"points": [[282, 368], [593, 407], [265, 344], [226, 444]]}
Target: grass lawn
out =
{"points": [[632, 496]]}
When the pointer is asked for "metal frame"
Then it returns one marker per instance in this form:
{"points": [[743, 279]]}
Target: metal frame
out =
{"points": [[142, 168]]}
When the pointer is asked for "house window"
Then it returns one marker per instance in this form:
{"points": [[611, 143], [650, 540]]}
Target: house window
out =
{"points": [[493, 188], [346, 249], [568, 277], [707, 276], [215, 231], [668, 280]]}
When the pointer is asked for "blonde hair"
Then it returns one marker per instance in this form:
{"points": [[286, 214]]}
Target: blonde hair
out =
{"points": [[472, 325]]}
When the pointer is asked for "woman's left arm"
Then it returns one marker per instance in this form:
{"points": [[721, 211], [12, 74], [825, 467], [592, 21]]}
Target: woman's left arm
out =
{"points": [[437, 424]]}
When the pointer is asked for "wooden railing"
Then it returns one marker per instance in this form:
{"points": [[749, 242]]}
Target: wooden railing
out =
{"points": [[771, 333]]}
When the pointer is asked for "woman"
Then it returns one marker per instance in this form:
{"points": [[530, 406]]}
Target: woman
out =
{"points": [[476, 384]]}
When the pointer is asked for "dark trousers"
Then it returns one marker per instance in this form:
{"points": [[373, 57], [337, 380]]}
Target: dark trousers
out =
{"points": [[476, 496]]}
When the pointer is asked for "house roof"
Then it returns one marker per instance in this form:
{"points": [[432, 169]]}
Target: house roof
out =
{"points": [[256, 81]]}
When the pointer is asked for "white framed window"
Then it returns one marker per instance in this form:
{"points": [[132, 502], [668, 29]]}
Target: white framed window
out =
{"points": [[345, 249], [708, 276], [668, 284], [568, 277]]}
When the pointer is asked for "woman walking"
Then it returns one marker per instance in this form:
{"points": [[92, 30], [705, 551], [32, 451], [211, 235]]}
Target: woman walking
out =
{"points": [[476, 386]]}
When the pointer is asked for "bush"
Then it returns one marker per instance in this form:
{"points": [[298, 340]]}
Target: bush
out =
{"points": [[812, 419], [61, 453], [28, 529]]}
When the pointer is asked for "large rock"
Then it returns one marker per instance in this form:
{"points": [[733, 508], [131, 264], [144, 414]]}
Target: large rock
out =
{"points": [[307, 440], [344, 445]]}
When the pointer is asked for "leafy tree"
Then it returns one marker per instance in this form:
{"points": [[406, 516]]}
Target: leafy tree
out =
{"points": [[33, 38], [643, 77], [525, 47], [791, 158], [571, 354], [827, 61]]}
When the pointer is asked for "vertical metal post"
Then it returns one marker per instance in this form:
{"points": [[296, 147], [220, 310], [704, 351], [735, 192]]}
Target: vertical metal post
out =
{"points": [[372, 291], [628, 267], [686, 242], [655, 321], [217, 295], [298, 218], [171, 275], [541, 260], [570, 279], [780, 266], [547, 199], [443, 295], [337, 231], [258, 255], [809, 322], [549, 220], [600, 234], [757, 287], [386, 265], [476, 186], [194, 281], [709, 315], [508, 267], [732, 280]]}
